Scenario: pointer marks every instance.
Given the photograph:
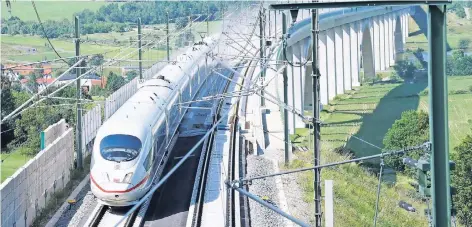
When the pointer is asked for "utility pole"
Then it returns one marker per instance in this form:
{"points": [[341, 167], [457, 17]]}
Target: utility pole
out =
{"points": [[261, 52], [286, 136], [140, 50], [438, 118], [78, 71], [167, 36], [316, 114]]}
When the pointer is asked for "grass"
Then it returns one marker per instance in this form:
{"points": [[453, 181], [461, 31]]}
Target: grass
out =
{"points": [[49, 10], [355, 190], [457, 29], [11, 162], [367, 114], [15, 48], [66, 49], [459, 106]]}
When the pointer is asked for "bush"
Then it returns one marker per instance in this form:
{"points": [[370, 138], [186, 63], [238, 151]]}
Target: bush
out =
{"points": [[458, 92], [425, 92], [394, 77], [410, 130], [405, 69], [464, 43], [462, 181], [460, 12]]}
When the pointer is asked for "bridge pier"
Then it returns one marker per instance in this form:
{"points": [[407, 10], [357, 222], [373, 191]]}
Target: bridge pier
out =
{"points": [[371, 40], [338, 46], [391, 45], [382, 43], [324, 90], [331, 66], [354, 43], [291, 89], [347, 58]]}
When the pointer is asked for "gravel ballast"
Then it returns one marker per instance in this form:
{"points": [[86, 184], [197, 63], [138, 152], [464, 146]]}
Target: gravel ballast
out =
{"points": [[265, 189], [78, 213]]}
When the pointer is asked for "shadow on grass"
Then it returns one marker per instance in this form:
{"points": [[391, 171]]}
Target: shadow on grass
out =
{"points": [[374, 127], [421, 19]]}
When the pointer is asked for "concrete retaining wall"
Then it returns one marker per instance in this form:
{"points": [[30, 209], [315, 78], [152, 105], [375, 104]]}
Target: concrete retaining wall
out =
{"points": [[53, 132], [27, 191]]}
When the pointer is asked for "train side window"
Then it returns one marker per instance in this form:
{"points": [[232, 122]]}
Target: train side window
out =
{"points": [[149, 160]]}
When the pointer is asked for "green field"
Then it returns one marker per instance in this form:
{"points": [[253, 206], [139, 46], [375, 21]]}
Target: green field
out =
{"points": [[367, 113], [457, 29], [49, 10], [65, 49], [15, 48], [10, 163]]}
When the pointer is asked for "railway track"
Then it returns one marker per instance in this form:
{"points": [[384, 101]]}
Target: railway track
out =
{"points": [[206, 160], [105, 216]]}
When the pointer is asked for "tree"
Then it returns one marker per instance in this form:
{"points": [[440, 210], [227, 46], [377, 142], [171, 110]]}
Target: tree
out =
{"points": [[32, 84], [462, 180], [410, 130], [181, 22], [460, 12], [130, 75], [7, 106], [405, 69], [98, 91], [464, 43], [97, 59], [114, 82]]}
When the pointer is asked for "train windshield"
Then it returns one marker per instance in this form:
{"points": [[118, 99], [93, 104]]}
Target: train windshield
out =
{"points": [[120, 148]]}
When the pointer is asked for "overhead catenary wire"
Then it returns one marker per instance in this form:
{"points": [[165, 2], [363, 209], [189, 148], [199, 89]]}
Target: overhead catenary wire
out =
{"points": [[44, 31], [381, 155], [14, 112], [111, 61]]}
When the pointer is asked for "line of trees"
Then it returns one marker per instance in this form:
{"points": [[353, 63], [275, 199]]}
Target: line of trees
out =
{"points": [[459, 64], [113, 18]]}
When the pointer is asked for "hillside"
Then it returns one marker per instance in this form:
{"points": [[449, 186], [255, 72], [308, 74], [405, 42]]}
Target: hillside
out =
{"points": [[49, 10]]}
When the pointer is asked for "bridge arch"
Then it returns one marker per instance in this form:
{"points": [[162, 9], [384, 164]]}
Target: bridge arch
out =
{"points": [[398, 36], [366, 51]]}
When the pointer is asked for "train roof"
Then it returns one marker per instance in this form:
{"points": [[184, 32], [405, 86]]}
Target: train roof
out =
{"points": [[139, 113]]}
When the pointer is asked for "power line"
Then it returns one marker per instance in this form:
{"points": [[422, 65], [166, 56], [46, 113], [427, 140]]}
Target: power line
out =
{"points": [[44, 31]]}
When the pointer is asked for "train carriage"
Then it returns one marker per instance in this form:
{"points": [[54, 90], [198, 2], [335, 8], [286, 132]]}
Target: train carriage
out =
{"points": [[130, 146]]}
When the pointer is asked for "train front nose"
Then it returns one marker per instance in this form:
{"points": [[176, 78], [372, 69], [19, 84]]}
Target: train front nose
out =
{"points": [[117, 194]]}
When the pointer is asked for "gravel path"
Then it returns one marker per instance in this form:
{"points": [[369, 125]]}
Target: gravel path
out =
{"points": [[77, 215], [265, 189], [294, 195]]}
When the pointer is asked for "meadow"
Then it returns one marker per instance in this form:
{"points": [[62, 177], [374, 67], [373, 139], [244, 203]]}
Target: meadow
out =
{"points": [[457, 29], [357, 122], [49, 10]]}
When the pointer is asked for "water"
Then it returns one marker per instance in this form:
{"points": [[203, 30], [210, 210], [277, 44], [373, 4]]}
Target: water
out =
{"points": [[426, 55]]}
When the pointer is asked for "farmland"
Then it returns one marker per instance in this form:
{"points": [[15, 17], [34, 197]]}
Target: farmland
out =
{"points": [[56, 10]]}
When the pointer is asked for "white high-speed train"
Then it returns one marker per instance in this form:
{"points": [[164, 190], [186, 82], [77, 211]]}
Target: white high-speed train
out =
{"points": [[130, 146]]}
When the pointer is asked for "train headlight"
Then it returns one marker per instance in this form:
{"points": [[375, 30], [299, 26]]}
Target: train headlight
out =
{"points": [[127, 178]]}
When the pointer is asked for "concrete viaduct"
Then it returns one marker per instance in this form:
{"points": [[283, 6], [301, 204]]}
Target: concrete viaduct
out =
{"points": [[354, 44]]}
